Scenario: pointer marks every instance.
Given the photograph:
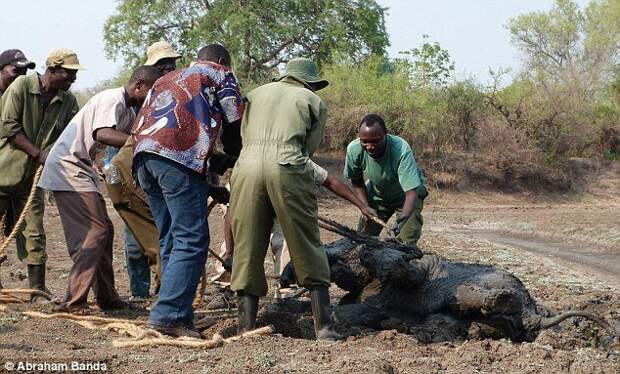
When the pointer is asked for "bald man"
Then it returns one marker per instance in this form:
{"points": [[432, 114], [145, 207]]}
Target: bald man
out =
{"points": [[69, 173]]}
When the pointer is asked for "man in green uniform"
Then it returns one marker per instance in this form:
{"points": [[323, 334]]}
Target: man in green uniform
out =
{"points": [[394, 184], [13, 63], [34, 111], [282, 126]]}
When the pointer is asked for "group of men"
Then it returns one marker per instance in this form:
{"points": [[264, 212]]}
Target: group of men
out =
{"points": [[162, 130]]}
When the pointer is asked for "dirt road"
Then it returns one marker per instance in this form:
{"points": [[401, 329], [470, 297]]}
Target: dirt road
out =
{"points": [[565, 250]]}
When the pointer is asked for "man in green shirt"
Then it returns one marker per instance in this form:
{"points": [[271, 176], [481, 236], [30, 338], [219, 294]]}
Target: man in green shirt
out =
{"points": [[34, 110], [394, 183], [13, 63], [282, 126]]}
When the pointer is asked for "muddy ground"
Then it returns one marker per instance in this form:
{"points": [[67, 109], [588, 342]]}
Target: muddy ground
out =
{"points": [[565, 248]]}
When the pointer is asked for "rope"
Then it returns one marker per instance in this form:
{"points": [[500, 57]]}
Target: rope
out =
{"points": [[214, 342], [141, 336], [22, 215], [7, 297]]}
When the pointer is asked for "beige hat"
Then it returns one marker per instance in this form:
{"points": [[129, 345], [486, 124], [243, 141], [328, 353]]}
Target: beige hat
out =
{"points": [[158, 51], [65, 58]]}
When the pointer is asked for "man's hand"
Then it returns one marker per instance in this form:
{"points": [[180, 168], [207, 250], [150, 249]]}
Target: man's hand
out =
{"points": [[368, 215], [220, 162], [42, 157], [398, 225], [219, 194]]}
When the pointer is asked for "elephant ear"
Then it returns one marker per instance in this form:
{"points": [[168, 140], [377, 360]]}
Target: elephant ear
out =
{"points": [[393, 267]]}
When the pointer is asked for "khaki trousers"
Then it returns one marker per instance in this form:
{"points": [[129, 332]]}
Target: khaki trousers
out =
{"points": [[131, 204]]}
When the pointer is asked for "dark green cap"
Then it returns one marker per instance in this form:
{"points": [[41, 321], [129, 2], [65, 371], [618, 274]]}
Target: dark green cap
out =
{"points": [[305, 70]]}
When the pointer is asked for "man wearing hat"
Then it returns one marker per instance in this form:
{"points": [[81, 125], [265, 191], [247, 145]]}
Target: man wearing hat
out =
{"points": [[34, 110], [13, 63], [282, 126], [141, 236], [163, 56]]}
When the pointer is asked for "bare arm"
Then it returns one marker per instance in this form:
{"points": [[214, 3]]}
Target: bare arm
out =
{"points": [[110, 136], [359, 188], [228, 237], [21, 142], [410, 198], [339, 188]]}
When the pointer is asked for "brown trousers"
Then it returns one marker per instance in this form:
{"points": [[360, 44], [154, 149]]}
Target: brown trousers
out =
{"points": [[131, 204], [89, 234]]}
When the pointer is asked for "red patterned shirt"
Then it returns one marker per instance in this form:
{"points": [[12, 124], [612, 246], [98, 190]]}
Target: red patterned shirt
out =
{"points": [[183, 113]]}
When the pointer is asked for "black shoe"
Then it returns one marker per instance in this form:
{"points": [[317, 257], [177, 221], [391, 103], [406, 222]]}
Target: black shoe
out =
{"points": [[113, 305], [177, 331], [36, 281], [248, 307], [321, 312]]}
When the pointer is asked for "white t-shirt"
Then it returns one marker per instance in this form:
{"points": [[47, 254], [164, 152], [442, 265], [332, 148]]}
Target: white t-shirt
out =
{"points": [[69, 165]]}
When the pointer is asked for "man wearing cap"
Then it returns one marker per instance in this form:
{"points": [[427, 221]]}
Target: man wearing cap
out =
{"points": [[283, 125], [34, 110], [13, 63], [163, 56]]}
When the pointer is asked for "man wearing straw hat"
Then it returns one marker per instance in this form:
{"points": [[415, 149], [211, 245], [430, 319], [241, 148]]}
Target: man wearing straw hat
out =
{"points": [[34, 111], [163, 56], [141, 235], [282, 126]]}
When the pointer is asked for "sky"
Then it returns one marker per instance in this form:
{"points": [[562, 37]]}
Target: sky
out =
{"points": [[473, 31]]}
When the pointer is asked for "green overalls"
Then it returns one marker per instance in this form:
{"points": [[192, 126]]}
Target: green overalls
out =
{"points": [[282, 126]]}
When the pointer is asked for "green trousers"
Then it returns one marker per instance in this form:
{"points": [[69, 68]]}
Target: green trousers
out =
{"points": [[262, 190], [30, 239], [411, 229]]}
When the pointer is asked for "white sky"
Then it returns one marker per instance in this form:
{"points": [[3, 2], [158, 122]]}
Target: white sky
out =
{"points": [[471, 30]]}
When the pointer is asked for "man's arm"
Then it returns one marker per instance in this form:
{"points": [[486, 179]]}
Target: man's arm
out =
{"points": [[339, 188], [21, 142], [317, 128], [359, 188], [110, 136], [410, 198]]}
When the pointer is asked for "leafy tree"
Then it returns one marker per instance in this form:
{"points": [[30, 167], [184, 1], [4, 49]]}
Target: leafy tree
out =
{"points": [[570, 45], [430, 64], [260, 34]]}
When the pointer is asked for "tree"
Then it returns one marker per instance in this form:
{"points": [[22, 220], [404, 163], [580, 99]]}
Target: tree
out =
{"points": [[260, 34], [429, 64], [570, 45]]}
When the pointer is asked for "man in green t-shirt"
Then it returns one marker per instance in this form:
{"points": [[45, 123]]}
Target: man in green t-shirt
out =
{"points": [[384, 174]]}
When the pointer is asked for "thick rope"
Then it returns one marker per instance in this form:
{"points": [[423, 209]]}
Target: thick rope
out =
{"points": [[214, 342], [6, 294], [22, 215], [73, 317], [141, 336]]}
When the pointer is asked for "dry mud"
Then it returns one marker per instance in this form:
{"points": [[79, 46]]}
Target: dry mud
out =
{"points": [[485, 228]]}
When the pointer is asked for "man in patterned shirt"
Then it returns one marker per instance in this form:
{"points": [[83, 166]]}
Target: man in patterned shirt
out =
{"points": [[175, 134]]}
